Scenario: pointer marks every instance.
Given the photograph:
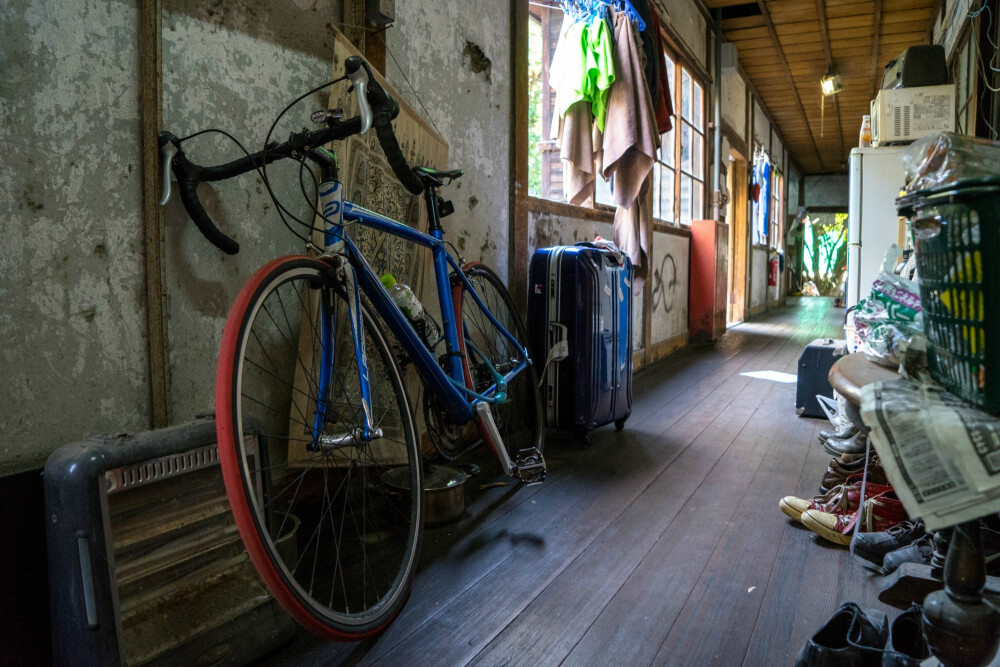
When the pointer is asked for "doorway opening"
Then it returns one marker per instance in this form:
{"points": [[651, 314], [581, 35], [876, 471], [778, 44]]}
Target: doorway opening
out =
{"points": [[824, 254], [736, 214]]}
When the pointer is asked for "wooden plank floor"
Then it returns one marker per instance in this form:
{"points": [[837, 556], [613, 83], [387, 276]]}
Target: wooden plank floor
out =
{"points": [[659, 545]]}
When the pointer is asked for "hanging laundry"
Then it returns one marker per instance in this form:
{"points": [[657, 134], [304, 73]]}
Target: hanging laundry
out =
{"points": [[650, 48], [662, 101], [630, 144], [762, 205], [577, 152], [582, 75]]}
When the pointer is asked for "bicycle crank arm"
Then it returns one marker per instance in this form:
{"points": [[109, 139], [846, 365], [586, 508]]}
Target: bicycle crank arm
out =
{"points": [[530, 465]]}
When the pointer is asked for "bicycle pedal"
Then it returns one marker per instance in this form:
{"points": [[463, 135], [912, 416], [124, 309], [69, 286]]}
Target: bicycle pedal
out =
{"points": [[530, 466]]}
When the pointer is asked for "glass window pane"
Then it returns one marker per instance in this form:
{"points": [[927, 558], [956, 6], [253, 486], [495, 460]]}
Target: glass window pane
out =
{"points": [[602, 192], [670, 78], [685, 94], [697, 155], [667, 195], [686, 203], [535, 93], [697, 200], [667, 148], [697, 110], [686, 147], [657, 168]]}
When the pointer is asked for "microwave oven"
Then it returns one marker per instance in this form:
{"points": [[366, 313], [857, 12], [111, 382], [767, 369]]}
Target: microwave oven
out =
{"points": [[902, 115]]}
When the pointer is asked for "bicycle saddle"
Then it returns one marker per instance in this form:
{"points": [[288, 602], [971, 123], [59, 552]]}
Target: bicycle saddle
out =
{"points": [[433, 178]]}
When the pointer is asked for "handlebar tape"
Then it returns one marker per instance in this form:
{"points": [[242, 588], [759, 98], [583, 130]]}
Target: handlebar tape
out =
{"points": [[384, 109], [189, 197], [390, 146]]}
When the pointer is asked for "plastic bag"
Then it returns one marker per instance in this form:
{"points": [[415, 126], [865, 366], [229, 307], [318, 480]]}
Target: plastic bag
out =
{"points": [[946, 157], [890, 316]]}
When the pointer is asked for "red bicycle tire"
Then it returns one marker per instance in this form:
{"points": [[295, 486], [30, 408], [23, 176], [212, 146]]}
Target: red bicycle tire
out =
{"points": [[229, 458]]}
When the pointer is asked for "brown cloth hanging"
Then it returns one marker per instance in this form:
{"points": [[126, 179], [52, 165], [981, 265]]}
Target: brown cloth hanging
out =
{"points": [[630, 144]]}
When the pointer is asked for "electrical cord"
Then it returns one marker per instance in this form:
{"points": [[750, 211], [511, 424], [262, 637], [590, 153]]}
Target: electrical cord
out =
{"points": [[274, 198]]}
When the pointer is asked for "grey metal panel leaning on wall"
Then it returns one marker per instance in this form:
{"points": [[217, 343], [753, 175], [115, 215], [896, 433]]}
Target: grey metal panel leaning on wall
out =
{"points": [[72, 322]]}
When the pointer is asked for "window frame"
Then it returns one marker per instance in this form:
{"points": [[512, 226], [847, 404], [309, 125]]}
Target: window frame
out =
{"points": [[591, 209], [681, 67]]}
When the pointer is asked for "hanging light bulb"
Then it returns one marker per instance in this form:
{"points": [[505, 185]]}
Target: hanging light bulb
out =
{"points": [[831, 84]]}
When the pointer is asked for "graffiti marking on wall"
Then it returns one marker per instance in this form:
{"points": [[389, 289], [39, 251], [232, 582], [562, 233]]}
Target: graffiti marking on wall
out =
{"points": [[664, 288]]}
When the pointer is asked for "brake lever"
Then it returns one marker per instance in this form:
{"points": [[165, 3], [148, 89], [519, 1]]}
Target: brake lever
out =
{"points": [[167, 152]]}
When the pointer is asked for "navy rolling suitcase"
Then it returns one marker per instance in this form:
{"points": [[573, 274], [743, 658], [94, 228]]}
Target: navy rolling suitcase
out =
{"points": [[580, 333]]}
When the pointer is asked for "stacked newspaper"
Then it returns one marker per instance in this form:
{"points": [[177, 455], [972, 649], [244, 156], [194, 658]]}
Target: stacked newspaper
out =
{"points": [[941, 455]]}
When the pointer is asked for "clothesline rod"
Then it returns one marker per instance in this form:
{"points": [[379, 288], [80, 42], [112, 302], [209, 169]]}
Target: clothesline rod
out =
{"points": [[550, 5]]}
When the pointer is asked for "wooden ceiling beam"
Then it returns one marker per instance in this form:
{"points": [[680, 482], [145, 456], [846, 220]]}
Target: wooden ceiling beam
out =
{"points": [[788, 73], [876, 34], [825, 35]]}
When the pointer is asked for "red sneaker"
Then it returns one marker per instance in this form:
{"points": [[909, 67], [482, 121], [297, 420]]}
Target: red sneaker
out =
{"points": [[842, 499], [880, 512]]}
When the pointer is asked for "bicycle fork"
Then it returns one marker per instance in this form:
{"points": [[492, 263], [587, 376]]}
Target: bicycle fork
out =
{"points": [[368, 432]]}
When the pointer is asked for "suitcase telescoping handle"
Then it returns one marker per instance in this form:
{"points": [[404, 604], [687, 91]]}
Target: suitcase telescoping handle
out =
{"points": [[558, 345]]}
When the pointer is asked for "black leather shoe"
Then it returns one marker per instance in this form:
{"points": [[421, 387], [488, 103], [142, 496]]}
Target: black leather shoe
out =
{"points": [[852, 637], [919, 551], [874, 546], [906, 646], [856, 444]]}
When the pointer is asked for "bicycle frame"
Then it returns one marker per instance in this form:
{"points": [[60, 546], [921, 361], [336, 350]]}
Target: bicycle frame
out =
{"points": [[448, 386]]}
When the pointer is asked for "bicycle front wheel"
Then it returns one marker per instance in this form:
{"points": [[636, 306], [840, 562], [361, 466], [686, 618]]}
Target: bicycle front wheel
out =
{"points": [[334, 544], [518, 417]]}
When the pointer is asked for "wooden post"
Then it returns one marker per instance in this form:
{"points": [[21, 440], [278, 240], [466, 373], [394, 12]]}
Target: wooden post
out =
{"points": [[517, 276], [152, 119]]}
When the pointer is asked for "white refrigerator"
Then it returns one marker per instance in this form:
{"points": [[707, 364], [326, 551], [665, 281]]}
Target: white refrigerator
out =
{"points": [[876, 177]]}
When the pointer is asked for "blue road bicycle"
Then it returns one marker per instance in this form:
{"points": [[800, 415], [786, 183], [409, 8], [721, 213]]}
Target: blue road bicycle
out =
{"points": [[316, 432]]}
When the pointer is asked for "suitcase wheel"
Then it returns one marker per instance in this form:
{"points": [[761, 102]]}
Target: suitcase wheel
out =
{"points": [[620, 423]]}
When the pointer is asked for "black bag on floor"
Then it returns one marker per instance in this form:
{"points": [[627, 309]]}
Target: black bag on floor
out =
{"points": [[814, 368]]}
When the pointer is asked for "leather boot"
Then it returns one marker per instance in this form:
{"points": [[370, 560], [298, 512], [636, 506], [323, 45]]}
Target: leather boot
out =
{"points": [[837, 472], [856, 444]]}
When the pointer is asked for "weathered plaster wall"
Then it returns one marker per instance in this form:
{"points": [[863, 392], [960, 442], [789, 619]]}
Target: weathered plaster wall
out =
{"points": [[794, 187], [234, 65], [545, 230], [670, 284], [456, 57], [687, 22], [758, 279], [777, 150], [734, 102], [761, 126], [72, 322], [832, 190]]}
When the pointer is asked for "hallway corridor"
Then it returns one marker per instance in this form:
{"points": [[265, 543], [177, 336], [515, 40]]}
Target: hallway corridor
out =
{"points": [[662, 544]]}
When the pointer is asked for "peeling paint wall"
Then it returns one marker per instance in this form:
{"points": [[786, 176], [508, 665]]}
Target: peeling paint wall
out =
{"points": [[761, 126], [73, 320], [233, 65], [758, 279], [670, 284], [451, 61], [687, 22], [734, 102], [827, 190], [792, 199]]}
